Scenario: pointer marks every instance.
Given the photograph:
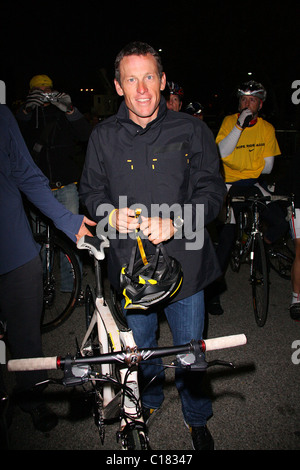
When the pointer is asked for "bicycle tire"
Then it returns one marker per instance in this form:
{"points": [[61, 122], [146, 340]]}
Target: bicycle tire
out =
{"points": [[58, 305], [260, 282], [135, 439], [281, 257]]}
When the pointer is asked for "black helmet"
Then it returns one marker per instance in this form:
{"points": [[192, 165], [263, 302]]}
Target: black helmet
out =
{"points": [[175, 89], [146, 282], [194, 108], [252, 88]]}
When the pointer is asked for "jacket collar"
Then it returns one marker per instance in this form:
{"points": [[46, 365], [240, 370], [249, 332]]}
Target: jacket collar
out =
{"points": [[123, 117]]}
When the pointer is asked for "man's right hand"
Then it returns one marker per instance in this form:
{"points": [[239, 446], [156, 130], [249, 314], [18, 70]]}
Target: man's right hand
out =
{"points": [[124, 220], [245, 118], [35, 98]]}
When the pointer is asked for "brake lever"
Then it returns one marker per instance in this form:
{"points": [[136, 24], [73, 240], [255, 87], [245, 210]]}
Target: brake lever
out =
{"points": [[195, 359], [218, 362]]}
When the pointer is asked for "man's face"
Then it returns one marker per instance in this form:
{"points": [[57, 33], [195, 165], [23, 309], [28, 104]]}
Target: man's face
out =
{"points": [[141, 87], [251, 102], [174, 103]]}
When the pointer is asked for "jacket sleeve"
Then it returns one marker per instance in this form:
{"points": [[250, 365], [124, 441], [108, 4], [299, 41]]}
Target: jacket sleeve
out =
{"points": [[93, 187], [80, 125], [33, 183], [206, 187]]}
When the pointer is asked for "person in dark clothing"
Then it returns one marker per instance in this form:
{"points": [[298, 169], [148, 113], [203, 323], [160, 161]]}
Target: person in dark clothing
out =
{"points": [[146, 156], [21, 275], [53, 129], [289, 184]]}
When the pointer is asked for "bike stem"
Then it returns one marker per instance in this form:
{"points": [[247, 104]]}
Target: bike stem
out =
{"points": [[98, 276]]}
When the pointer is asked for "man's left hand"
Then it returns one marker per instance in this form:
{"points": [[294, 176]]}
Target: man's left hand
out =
{"points": [[157, 229], [62, 101]]}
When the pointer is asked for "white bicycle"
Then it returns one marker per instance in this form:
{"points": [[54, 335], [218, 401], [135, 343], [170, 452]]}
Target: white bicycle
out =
{"points": [[108, 360]]}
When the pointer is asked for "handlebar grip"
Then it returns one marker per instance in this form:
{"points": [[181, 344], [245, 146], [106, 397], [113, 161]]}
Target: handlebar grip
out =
{"points": [[35, 363], [225, 342]]}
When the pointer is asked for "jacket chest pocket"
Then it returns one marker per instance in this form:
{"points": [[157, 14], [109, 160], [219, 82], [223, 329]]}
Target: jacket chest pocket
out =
{"points": [[170, 175]]}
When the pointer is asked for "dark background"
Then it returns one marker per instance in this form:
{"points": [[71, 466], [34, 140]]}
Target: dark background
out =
{"points": [[207, 47]]}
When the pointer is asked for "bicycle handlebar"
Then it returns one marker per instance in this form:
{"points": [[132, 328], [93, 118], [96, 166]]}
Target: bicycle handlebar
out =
{"points": [[129, 357], [260, 198], [224, 342]]}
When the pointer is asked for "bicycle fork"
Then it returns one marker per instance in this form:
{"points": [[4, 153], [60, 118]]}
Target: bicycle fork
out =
{"points": [[129, 377]]}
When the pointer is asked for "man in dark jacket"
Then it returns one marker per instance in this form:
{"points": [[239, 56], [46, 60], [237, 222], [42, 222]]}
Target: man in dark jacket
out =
{"points": [[146, 156], [52, 127], [54, 130]]}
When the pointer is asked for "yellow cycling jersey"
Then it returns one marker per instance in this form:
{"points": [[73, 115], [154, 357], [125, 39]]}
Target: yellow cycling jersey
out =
{"points": [[254, 145]]}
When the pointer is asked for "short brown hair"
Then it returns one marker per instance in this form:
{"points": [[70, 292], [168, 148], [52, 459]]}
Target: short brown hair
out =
{"points": [[137, 48]]}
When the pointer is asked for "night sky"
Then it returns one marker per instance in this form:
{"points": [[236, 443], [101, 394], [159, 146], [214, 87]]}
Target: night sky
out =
{"points": [[207, 47]]}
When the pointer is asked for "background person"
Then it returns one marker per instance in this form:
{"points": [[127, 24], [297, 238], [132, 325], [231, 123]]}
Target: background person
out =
{"points": [[247, 145], [288, 183], [53, 130], [195, 109], [175, 97]]}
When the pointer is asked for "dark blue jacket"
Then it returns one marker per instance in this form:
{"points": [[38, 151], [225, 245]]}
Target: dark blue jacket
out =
{"points": [[20, 175]]}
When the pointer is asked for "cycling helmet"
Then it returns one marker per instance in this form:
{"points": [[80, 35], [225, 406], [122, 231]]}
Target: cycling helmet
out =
{"points": [[252, 88], [147, 282], [175, 89], [194, 108]]}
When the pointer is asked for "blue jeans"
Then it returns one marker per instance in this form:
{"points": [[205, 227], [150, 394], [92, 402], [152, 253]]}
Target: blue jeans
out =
{"points": [[186, 321], [68, 197]]}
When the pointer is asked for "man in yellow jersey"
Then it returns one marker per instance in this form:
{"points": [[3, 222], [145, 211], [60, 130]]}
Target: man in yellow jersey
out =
{"points": [[247, 146], [247, 143]]}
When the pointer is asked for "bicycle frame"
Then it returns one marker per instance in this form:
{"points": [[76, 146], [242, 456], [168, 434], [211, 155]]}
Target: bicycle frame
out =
{"points": [[120, 340], [259, 274], [253, 207], [79, 369], [112, 338]]}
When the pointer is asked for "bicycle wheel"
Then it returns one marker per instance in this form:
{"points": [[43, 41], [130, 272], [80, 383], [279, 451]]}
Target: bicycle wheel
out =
{"points": [[281, 257], [259, 281], [135, 438], [59, 301]]}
